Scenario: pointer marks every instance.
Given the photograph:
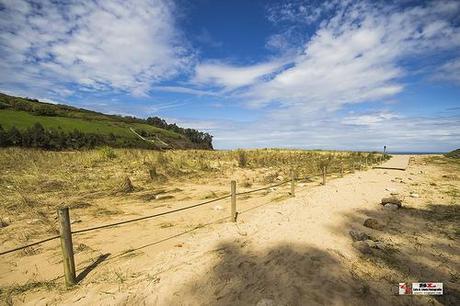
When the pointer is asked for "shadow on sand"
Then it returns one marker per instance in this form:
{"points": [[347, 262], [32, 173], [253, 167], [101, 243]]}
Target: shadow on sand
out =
{"points": [[284, 275], [91, 267], [421, 245], [296, 274]]}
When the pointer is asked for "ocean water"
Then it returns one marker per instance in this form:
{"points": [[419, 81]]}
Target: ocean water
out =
{"points": [[415, 153]]}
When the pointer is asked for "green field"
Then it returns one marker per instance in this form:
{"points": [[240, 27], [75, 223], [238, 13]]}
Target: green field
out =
{"points": [[22, 120], [93, 128]]}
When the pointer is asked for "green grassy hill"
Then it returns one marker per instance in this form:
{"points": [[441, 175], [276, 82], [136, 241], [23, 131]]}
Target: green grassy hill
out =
{"points": [[21, 115], [453, 154]]}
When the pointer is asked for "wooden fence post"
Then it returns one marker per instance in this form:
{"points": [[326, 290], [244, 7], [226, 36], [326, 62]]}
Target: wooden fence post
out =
{"points": [[341, 169], [233, 201], [324, 175], [67, 246], [292, 183]]}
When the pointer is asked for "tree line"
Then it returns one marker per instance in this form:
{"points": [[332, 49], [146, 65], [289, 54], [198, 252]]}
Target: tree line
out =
{"points": [[37, 136], [195, 136]]}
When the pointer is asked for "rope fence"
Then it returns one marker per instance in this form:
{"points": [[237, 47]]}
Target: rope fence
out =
{"points": [[66, 232]]}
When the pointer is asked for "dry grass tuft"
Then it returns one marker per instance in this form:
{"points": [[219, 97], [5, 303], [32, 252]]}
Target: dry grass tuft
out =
{"points": [[126, 186]]}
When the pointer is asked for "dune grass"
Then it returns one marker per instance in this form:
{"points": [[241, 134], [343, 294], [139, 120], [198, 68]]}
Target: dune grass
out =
{"points": [[33, 183]]}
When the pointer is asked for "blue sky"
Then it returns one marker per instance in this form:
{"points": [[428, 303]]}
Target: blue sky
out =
{"points": [[299, 74]]}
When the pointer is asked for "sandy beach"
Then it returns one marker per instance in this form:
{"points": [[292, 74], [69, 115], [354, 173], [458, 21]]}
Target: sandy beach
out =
{"points": [[293, 252]]}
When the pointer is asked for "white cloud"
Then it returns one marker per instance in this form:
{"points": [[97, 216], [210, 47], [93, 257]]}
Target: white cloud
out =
{"points": [[231, 77], [358, 55], [120, 45], [369, 119], [184, 90], [307, 12], [355, 56], [368, 132], [450, 71]]}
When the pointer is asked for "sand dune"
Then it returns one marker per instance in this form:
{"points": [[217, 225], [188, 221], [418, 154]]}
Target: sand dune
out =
{"points": [[296, 252]]}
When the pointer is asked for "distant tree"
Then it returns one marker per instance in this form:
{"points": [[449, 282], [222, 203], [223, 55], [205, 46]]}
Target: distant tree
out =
{"points": [[44, 111], [21, 105], [14, 137], [3, 142]]}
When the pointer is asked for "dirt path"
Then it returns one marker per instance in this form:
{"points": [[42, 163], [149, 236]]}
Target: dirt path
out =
{"points": [[295, 252], [397, 162]]}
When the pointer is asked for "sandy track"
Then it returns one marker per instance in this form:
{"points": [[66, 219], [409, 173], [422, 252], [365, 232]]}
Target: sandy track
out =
{"points": [[296, 252], [397, 162]]}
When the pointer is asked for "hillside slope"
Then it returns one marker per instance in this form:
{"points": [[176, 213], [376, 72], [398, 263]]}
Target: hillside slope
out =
{"points": [[31, 123], [453, 154]]}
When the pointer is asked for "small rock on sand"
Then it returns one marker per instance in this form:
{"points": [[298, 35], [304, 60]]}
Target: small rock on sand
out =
{"points": [[218, 207], [391, 200], [414, 195], [358, 236], [4, 222], [362, 246], [370, 243], [163, 197], [375, 244], [390, 206], [373, 223]]}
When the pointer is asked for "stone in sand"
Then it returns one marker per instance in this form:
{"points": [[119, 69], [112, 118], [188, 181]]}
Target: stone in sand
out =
{"points": [[390, 206], [391, 200], [375, 244], [362, 246], [4, 223], [371, 243], [163, 197], [373, 223], [358, 236]]}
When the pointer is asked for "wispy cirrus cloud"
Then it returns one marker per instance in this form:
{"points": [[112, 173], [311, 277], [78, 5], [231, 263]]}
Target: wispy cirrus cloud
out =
{"points": [[362, 131], [449, 71], [230, 77], [323, 57], [357, 54], [369, 119], [96, 45]]}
